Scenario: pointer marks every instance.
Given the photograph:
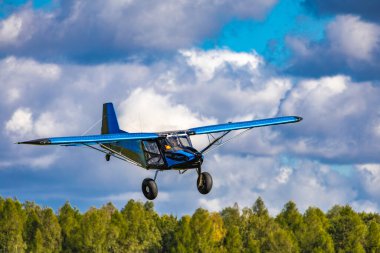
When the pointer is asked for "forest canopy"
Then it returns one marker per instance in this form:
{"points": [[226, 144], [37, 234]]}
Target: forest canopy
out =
{"points": [[27, 227]]}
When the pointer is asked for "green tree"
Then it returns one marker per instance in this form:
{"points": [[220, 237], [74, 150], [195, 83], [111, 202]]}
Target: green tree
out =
{"points": [[373, 237], [263, 234], [12, 221], [290, 218], [207, 231], [313, 236], [69, 220], [167, 225], [347, 229], [231, 217], [281, 241], [42, 229], [233, 241], [114, 228], [182, 242], [141, 233], [93, 231]]}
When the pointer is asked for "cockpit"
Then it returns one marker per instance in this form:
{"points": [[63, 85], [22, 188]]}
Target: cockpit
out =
{"points": [[156, 150]]}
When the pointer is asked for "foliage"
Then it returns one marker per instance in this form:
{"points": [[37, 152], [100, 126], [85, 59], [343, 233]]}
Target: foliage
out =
{"points": [[138, 228]]}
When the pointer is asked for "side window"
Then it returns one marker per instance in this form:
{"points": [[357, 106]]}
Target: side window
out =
{"points": [[152, 153], [185, 141]]}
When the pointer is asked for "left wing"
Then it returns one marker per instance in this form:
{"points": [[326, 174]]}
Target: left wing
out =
{"points": [[91, 139], [243, 125]]}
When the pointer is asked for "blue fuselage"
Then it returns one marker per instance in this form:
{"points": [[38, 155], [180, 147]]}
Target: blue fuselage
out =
{"points": [[165, 153]]}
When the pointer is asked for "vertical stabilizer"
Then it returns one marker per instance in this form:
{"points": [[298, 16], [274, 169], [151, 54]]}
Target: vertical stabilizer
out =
{"points": [[109, 121]]}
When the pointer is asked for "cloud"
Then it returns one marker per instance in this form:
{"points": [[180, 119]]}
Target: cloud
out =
{"points": [[10, 29], [354, 38], [370, 178], [20, 123], [243, 179], [278, 163], [351, 46], [145, 110], [333, 109], [367, 9], [98, 30], [206, 63]]}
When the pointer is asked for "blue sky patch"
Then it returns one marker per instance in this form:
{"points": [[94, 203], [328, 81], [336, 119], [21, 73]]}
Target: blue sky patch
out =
{"points": [[267, 37]]}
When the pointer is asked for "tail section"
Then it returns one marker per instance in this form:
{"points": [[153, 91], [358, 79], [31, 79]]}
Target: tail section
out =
{"points": [[109, 121]]}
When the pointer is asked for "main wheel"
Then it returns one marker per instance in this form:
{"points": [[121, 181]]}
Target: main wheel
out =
{"points": [[149, 188], [108, 156], [204, 183]]}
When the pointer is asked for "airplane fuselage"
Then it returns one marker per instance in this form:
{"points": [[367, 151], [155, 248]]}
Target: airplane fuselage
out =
{"points": [[168, 152]]}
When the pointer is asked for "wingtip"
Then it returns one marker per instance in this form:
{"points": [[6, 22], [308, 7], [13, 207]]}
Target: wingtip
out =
{"points": [[35, 142]]}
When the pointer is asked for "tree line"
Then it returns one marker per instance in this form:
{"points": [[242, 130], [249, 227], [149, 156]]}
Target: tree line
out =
{"points": [[27, 227]]}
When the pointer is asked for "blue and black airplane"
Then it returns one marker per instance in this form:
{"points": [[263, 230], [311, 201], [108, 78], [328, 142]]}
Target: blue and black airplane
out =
{"points": [[171, 150]]}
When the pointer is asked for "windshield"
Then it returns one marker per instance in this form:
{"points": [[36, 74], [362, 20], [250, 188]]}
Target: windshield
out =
{"points": [[177, 142]]}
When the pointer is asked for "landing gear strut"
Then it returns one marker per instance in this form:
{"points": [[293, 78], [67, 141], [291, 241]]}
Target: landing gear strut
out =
{"points": [[204, 182]]}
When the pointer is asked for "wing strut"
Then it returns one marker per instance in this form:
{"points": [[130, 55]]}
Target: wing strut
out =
{"points": [[213, 142], [224, 142], [114, 155]]}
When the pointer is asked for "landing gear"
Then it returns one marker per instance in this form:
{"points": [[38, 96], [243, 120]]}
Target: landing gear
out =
{"points": [[149, 188], [108, 157], [204, 182]]}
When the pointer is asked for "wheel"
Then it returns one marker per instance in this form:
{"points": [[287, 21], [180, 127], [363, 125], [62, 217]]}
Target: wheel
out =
{"points": [[108, 157], [204, 183], [149, 188]]}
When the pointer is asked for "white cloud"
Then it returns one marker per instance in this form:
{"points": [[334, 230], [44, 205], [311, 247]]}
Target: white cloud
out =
{"points": [[370, 178], [333, 109], [353, 37], [212, 205], [206, 63], [20, 77], [48, 125], [122, 26], [283, 176], [243, 179], [20, 123], [42, 162], [10, 29], [145, 110]]}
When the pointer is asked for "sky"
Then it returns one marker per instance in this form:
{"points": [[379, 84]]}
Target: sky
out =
{"points": [[180, 64]]}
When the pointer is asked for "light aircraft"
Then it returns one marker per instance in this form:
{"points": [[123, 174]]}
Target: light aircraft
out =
{"points": [[171, 150]]}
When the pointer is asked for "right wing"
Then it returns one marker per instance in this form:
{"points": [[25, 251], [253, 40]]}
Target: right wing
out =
{"points": [[243, 125]]}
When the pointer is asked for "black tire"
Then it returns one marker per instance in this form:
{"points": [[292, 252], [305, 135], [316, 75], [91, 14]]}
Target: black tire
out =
{"points": [[108, 157], [204, 183], [149, 188]]}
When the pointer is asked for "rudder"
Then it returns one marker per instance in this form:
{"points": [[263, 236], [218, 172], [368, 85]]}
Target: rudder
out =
{"points": [[109, 120]]}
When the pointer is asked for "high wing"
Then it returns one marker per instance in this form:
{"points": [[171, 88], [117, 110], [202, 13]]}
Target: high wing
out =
{"points": [[91, 139], [243, 125]]}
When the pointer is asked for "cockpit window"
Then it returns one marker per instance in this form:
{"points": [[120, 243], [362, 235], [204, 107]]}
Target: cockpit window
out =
{"points": [[152, 153], [185, 141], [177, 142]]}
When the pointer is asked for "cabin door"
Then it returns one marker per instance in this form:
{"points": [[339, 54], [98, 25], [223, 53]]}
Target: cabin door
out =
{"points": [[152, 154]]}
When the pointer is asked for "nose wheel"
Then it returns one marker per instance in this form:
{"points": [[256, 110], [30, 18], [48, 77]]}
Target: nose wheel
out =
{"points": [[204, 182]]}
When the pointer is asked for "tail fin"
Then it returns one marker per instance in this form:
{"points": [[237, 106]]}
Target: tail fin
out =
{"points": [[109, 121]]}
